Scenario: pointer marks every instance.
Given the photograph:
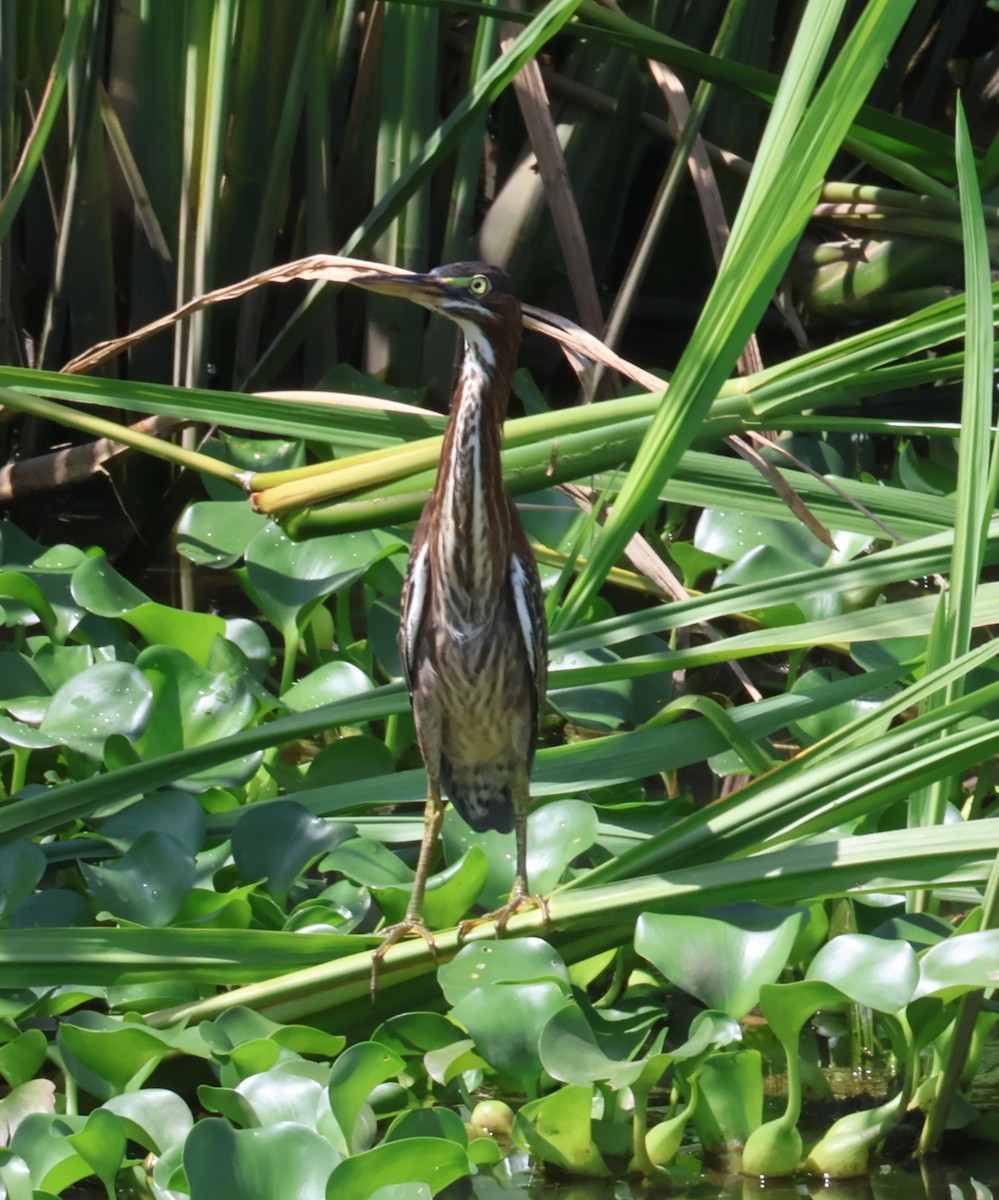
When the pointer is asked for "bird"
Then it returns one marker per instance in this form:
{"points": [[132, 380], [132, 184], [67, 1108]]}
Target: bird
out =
{"points": [[473, 637]]}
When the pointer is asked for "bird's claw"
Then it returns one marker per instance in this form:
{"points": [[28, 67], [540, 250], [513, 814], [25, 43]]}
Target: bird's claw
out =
{"points": [[518, 902], [407, 927]]}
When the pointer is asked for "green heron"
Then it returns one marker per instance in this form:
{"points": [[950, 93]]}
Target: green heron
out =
{"points": [[473, 637]]}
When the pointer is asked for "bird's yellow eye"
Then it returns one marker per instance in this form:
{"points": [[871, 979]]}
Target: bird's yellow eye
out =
{"points": [[479, 285]]}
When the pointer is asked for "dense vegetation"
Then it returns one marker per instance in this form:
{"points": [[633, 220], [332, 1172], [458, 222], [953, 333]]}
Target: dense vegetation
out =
{"points": [[766, 783]]}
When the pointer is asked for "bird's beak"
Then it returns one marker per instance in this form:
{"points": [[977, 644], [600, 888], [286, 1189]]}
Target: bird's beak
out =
{"points": [[421, 289]]}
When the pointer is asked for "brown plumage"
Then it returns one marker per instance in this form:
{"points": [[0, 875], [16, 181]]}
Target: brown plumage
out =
{"points": [[473, 634]]}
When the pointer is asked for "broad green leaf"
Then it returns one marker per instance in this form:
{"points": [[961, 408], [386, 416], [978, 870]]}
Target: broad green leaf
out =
{"points": [[414, 1034], [288, 577], [170, 811], [257, 1164], [108, 1055], [355, 1074], [32, 1096], [506, 1020], [101, 1144], [15, 1176], [428, 1123], [570, 1053], [42, 1141], [556, 1130], [963, 962], [867, 970], [485, 964], [215, 533], [21, 1057], [148, 884], [449, 894], [332, 681], [831, 720], [722, 960], [156, 1118], [104, 699], [22, 865], [730, 1099], [432, 1162], [278, 840], [557, 833]]}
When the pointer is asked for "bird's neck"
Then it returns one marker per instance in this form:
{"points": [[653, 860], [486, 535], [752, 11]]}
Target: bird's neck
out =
{"points": [[474, 526]]}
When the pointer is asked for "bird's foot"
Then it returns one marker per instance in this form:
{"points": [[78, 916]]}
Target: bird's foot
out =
{"points": [[407, 927], [518, 902]]}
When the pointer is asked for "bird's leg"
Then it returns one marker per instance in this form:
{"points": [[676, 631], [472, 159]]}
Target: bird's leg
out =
{"points": [[412, 922], [520, 898]]}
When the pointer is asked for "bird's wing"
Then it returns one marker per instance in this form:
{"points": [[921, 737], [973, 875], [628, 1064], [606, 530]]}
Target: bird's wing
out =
{"points": [[529, 603], [414, 602]]}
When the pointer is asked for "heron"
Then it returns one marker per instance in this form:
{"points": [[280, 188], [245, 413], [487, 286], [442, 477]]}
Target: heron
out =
{"points": [[473, 637]]}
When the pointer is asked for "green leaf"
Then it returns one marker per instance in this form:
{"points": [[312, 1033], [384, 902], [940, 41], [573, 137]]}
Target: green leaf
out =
{"points": [[449, 894], [15, 1176], [557, 833], [170, 811], [257, 1164], [107, 698], [569, 1052], [722, 960], [964, 962], [869, 971], [277, 841], [288, 577], [22, 865], [156, 1118], [215, 533], [354, 1076], [42, 1141], [101, 1144], [332, 681], [148, 884], [485, 964], [431, 1162], [506, 1020], [107, 1055], [21, 1057], [730, 1099], [557, 1130]]}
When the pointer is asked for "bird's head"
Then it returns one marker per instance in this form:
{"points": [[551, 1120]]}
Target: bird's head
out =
{"points": [[466, 292]]}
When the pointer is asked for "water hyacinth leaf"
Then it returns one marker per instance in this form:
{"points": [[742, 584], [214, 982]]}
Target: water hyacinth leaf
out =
{"points": [[278, 840], [193, 704], [557, 1130], [731, 535], [433, 1162], [228, 1103], [412, 1035], [52, 908], [155, 1118], [257, 1164], [23, 692], [332, 681], [368, 863], [342, 907], [109, 697], [348, 758], [787, 1006], [18, 587], [570, 1053], [240, 1025], [42, 1141], [288, 577], [428, 1123], [33, 1096], [449, 1062], [449, 894], [867, 970], [15, 1176], [169, 811], [557, 833], [15, 733], [215, 533], [831, 720], [22, 865], [506, 1020], [101, 1144], [21, 1057], [844, 1150], [397, 1191], [483, 964], [614, 703], [730, 1098], [355, 1074], [283, 1094], [103, 591], [722, 961], [108, 1055], [964, 962], [148, 884]]}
